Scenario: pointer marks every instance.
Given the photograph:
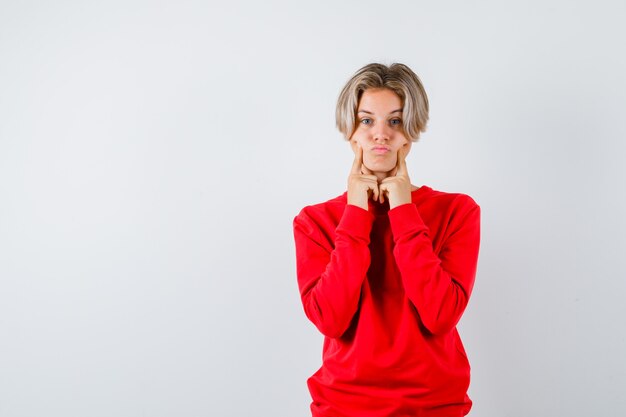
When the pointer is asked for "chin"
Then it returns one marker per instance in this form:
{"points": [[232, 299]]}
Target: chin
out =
{"points": [[381, 167]]}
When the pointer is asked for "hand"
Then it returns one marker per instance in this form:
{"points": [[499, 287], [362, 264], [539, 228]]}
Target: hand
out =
{"points": [[360, 185], [397, 187]]}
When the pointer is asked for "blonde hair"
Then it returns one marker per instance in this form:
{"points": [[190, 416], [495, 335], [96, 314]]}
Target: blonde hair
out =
{"points": [[398, 78]]}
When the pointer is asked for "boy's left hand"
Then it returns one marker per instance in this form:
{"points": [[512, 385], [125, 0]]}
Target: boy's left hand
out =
{"points": [[397, 187]]}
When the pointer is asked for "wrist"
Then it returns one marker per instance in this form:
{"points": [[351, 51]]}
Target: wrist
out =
{"points": [[358, 202], [395, 202]]}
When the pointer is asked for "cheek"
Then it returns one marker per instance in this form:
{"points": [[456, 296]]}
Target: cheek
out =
{"points": [[405, 145], [404, 142], [358, 139]]}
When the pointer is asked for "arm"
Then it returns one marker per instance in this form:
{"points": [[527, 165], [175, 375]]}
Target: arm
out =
{"points": [[330, 279], [438, 286]]}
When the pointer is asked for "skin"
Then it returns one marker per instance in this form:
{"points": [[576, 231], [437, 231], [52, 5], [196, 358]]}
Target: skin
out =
{"points": [[376, 174]]}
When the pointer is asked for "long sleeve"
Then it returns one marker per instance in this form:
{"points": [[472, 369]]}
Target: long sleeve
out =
{"points": [[439, 286], [330, 274]]}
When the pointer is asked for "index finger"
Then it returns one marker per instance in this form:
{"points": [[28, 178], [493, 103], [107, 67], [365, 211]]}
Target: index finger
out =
{"points": [[401, 161], [358, 160]]}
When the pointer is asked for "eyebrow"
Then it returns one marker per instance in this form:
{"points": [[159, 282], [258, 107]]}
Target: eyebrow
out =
{"points": [[369, 112]]}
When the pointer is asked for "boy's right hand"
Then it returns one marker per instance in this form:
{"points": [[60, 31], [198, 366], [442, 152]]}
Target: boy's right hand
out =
{"points": [[361, 186]]}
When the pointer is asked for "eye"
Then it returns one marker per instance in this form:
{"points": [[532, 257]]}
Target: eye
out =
{"points": [[366, 121], [395, 122]]}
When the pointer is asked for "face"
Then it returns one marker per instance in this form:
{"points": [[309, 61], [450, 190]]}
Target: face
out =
{"points": [[379, 129]]}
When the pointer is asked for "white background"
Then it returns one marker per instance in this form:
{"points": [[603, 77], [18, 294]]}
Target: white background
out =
{"points": [[154, 154]]}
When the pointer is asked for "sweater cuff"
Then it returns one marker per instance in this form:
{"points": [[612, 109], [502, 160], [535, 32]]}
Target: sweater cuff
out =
{"points": [[406, 219], [357, 222]]}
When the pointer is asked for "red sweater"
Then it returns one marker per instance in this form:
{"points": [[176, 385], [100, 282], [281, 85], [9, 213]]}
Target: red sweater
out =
{"points": [[386, 288]]}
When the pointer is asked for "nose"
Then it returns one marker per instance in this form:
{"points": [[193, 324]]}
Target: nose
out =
{"points": [[381, 133]]}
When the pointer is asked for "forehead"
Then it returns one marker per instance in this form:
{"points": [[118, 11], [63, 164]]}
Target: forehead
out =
{"points": [[379, 100]]}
